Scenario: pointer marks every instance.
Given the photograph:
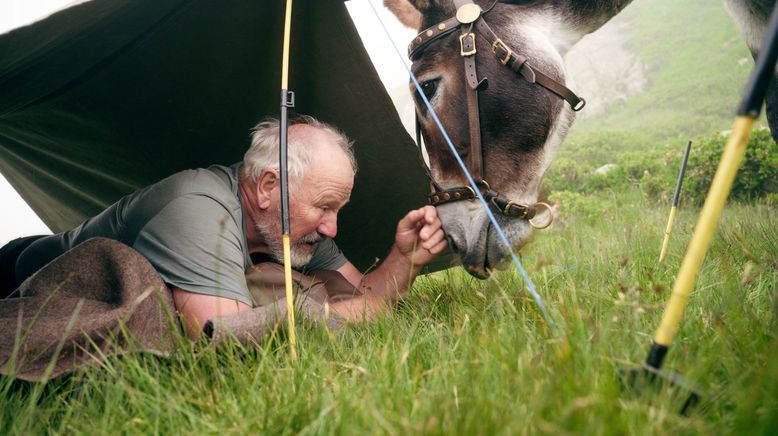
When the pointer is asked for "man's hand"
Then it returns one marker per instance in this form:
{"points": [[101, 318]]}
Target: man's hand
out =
{"points": [[419, 239], [420, 236]]}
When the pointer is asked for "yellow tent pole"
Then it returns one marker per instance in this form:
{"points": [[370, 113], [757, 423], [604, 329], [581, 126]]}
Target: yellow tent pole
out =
{"points": [[287, 100], [668, 230], [747, 112], [706, 226], [285, 55], [700, 242], [674, 207]]}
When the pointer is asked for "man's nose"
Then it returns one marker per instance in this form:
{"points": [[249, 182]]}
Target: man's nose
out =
{"points": [[329, 225]]}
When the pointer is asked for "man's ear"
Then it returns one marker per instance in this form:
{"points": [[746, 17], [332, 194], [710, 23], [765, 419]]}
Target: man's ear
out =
{"points": [[267, 182]]}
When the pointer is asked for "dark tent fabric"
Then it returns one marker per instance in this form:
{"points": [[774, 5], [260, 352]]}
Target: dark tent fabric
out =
{"points": [[109, 96]]}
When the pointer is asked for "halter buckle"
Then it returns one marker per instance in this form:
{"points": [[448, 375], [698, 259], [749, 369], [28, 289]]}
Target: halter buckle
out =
{"points": [[508, 52], [471, 44], [510, 205]]}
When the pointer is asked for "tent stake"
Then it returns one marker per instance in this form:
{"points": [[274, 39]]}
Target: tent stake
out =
{"points": [[674, 206], [747, 112]]}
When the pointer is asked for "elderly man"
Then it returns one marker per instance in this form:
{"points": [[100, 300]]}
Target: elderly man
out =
{"points": [[201, 228]]}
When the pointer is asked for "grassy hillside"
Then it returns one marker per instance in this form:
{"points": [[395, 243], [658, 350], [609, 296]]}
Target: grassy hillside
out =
{"points": [[696, 66], [475, 357]]}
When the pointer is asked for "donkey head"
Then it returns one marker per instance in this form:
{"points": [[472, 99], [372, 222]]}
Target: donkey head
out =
{"points": [[521, 122]]}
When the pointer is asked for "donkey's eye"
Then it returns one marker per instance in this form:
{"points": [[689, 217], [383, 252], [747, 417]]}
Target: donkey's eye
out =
{"points": [[430, 87]]}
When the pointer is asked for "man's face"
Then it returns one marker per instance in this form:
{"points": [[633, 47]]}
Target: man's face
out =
{"points": [[314, 204]]}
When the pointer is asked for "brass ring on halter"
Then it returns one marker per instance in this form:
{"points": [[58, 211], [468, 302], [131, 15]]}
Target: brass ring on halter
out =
{"points": [[472, 193], [540, 209]]}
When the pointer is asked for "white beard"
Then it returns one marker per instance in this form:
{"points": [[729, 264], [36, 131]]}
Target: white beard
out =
{"points": [[271, 234]]}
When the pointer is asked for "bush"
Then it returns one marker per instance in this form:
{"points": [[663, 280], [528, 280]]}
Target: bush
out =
{"points": [[655, 171], [567, 174], [574, 204], [757, 177]]}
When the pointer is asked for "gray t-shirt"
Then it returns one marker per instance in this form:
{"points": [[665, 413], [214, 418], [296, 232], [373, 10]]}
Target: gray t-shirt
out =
{"points": [[190, 228]]}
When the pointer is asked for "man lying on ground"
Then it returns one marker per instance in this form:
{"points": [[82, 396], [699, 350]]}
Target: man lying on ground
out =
{"points": [[203, 229]]}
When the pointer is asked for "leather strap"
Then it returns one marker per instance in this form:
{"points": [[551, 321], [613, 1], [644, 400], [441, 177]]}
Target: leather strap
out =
{"points": [[450, 195], [509, 208], [432, 33], [419, 143], [474, 121], [520, 64], [473, 19], [497, 201], [508, 57], [468, 51]]}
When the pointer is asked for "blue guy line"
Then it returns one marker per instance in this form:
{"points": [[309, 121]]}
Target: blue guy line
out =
{"points": [[500, 232]]}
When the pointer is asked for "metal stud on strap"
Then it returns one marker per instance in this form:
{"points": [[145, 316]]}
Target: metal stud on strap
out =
{"points": [[468, 13]]}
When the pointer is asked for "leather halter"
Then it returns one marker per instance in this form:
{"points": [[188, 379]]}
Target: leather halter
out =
{"points": [[469, 17]]}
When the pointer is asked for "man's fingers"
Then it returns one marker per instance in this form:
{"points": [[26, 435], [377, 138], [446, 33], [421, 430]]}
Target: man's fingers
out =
{"points": [[421, 230], [430, 214], [429, 229], [435, 246], [434, 239], [418, 218], [439, 247], [411, 219]]}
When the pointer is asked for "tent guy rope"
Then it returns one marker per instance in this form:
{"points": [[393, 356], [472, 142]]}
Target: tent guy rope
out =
{"points": [[473, 185]]}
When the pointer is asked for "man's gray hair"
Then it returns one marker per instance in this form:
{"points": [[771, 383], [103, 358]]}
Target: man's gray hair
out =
{"points": [[264, 150]]}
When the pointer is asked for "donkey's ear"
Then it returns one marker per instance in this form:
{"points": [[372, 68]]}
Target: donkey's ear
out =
{"points": [[407, 11]]}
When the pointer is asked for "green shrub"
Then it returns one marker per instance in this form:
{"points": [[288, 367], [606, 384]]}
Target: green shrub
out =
{"points": [[567, 174], [574, 204], [757, 177], [655, 171]]}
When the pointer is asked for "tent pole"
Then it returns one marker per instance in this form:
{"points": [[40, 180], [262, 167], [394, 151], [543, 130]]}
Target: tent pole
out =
{"points": [[287, 101], [747, 112], [674, 207]]}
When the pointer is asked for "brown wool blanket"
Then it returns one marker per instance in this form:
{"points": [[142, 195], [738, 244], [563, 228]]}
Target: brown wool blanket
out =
{"points": [[102, 298], [75, 307]]}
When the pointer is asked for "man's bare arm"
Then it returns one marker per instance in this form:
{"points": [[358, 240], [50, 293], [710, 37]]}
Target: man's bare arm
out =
{"points": [[418, 241], [196, 309]]}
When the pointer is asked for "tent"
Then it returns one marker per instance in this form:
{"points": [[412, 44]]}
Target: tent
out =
{"points": [[108, 96]]}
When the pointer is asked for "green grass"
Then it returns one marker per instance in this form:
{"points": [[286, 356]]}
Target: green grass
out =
{"points": [[475, 357], [463, 356]]}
